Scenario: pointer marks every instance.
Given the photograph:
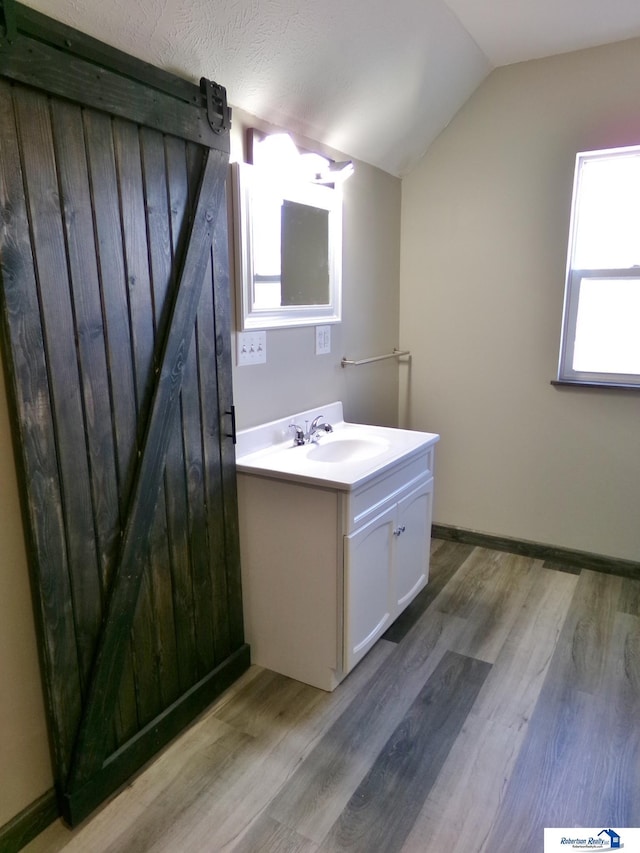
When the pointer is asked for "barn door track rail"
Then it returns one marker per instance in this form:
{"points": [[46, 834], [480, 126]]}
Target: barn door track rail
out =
{"points": [[41, 52]]}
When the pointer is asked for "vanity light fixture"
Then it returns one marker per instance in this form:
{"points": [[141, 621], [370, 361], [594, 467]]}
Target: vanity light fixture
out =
{"points": [[335, 173], [279, 153], [275, 151]]}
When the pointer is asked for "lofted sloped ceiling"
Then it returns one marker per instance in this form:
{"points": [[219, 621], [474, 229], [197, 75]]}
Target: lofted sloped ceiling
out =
{"points": [[375, 79]]}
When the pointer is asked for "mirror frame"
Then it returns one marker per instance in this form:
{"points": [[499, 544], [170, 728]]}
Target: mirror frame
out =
{"points": [[245, 182]]}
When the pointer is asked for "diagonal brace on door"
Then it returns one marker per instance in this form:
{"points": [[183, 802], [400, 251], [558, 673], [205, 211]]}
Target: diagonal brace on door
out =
{"points": [[123, 593]]}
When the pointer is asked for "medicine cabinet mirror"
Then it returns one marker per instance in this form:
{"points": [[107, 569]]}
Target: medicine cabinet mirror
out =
{"points": [[288, 249]]}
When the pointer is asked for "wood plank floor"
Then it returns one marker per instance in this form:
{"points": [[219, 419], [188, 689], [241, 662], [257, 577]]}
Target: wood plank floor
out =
{"points": [[505, 699]]}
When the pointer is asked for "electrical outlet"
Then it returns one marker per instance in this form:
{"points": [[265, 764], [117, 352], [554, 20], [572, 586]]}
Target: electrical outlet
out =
{"points": [[252, 348], [323, 340]]}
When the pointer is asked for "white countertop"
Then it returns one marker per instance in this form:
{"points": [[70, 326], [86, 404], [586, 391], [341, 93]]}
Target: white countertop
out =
{"points": [[342, 459]]}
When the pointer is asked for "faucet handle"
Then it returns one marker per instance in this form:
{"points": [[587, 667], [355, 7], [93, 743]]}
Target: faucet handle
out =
{"points": [[298, 434]]}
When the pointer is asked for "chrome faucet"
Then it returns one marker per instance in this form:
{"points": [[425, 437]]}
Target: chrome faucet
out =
{"points": [[316, 428], [312, 434]]}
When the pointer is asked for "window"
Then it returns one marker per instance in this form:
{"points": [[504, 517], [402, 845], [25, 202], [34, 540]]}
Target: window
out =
{"points": [[601, 323]]}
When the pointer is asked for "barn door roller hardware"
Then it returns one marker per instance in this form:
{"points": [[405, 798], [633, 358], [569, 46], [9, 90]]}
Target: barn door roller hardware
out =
{"points": [[9, 19], [218, 111]]}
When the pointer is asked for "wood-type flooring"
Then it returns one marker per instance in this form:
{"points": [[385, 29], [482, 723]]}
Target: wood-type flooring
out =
{"points": [[504, 700]]}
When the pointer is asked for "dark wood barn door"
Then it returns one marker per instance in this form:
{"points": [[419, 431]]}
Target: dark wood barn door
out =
{"points": [[115, 306]]}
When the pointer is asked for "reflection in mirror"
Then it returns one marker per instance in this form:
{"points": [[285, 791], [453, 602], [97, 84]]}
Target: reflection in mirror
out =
{"points": [[288, 250], [304, 254]]}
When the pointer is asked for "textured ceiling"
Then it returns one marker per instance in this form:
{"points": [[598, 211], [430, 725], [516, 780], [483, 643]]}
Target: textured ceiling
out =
{"points": [[375, 79]]}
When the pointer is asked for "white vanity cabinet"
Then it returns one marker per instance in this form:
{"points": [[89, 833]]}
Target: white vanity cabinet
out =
{"points": [[386, 563], [326, 568]]}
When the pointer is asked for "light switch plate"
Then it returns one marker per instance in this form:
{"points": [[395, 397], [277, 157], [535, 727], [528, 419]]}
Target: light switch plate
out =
{"points": [[323, 340], [251, 348]]}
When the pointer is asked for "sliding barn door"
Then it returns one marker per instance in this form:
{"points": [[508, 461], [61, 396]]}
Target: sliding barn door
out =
{"points": [[115, 303]]}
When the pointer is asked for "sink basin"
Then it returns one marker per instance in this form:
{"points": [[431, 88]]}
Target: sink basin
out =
{"points": [[345, 449]]}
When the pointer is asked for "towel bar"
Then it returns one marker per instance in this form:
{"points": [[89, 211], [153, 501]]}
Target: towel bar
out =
{"points": [[395, 354]]}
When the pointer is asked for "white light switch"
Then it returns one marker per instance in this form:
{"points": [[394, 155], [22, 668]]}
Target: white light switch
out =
{"points": [[323, 340], [252, 348]]}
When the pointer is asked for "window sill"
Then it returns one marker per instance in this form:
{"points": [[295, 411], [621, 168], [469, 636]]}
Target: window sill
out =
{"points": [[561, 383]]}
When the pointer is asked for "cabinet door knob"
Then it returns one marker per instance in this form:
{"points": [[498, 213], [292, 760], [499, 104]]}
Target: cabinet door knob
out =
{"points": [[399, 530]]}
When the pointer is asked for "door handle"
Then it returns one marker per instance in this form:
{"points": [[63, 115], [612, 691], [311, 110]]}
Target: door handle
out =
{"points": [[232, 413]]}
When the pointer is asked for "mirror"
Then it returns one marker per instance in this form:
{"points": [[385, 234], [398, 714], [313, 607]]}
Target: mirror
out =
{"points": [[288, 250]]}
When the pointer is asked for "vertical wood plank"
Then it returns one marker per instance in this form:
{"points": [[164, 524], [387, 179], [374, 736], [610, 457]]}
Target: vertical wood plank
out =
{"points": [[158, 216], [58, 325], [87, 309], [162, 605], [213, 469], [136, 256], [145, 663], [222, 312], [139, 292], [162, 276], [113, 277], [122, 399], [198, 546], [193, 442], [71, 156], [176, 493], [35, 444]]}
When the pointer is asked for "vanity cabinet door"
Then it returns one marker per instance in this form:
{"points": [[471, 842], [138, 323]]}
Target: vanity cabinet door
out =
{"points": [[386, 563], [369, 596], [412, 536]]}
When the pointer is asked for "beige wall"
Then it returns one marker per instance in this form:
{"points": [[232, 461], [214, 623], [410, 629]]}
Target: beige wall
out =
{"points": [[25, 769], [484, 235], [294, 378]]}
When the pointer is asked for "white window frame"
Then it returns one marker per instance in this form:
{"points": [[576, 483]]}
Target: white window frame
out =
{"points": [[574, 278]]}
